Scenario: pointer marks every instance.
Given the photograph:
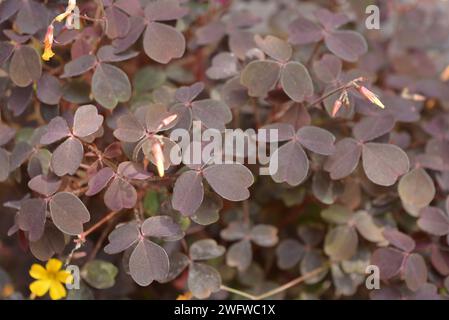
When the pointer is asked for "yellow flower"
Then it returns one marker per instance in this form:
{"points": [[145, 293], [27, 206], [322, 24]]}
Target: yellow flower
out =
{"points": [[48, 43], [51, 278], [186, 296], [48, 54]]}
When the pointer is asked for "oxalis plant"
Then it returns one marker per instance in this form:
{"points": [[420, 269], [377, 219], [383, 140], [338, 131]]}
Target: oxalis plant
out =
{"points": [[96, 191]]}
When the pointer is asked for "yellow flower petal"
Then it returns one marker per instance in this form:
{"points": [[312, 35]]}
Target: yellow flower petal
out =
{"points": [[48, 54], [62, 16], [53, 265], [186, 296], [38, 272], [64, 277], [57, 290], [40, 287]]}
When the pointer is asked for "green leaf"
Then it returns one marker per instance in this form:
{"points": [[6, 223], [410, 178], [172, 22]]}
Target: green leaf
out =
{"points": [[83, 293], [148, 79], [151, 203], [24, 135], [341, 243], [337, 214], [110, 85], [416, 188], [99, 274], [184, 222]]}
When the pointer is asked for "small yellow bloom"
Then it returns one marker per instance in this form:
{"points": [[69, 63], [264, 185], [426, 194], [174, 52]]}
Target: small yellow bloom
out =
{"points": [[48, 54], [51, 278], [186, 296], [48, 43]]}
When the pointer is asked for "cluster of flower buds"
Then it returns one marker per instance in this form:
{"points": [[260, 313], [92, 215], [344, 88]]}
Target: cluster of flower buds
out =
{"points": [[343, 100], [49, 36]]}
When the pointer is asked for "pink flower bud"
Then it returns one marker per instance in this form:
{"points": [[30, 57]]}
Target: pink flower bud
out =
{"points": [[336, 107], [371, 96]]}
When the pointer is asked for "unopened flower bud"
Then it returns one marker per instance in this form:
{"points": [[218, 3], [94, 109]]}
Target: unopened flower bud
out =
{"points": [[336, 107], [156, 151], [371, 96]]}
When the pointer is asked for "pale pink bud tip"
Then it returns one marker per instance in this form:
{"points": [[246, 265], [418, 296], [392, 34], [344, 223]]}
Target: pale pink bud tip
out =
{"points": [[371, 97], [336, 107]]}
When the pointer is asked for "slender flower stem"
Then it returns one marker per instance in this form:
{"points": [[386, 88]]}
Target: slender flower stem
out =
{"points": [[85, 17], [100, 241], [281, 113], [240, 293], [108, 217], [277, 290], [100, 11], [292, 283], [327, 95], [72, 253]]}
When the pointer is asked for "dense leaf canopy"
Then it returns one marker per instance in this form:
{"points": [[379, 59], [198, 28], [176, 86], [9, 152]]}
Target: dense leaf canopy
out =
{"points": [[90, 99]]}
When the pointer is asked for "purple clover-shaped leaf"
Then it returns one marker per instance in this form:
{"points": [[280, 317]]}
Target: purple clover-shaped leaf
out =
{"points": [[161, 42], [240, 254], [67, 157], [148, 261], [230, 181], [347, 45], [213, 114], [289, 163], [262, 76]]}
